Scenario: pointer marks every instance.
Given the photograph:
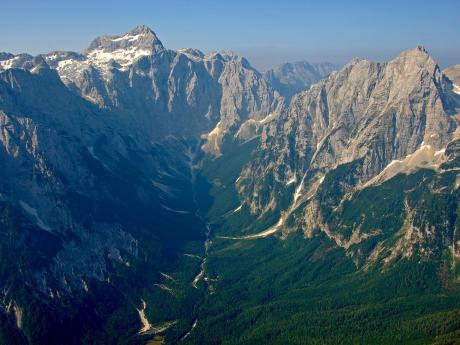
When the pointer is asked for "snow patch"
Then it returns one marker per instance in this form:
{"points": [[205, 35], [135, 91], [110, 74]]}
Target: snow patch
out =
{"points": [[424, 157], [173, 210], [266, 233], [124, 57], [456, 89], [85, 286], [237, 209], [298, 190], [193, 256], [167, 276], [7, 64], [291, 181], [127, 37], [165, 288]]}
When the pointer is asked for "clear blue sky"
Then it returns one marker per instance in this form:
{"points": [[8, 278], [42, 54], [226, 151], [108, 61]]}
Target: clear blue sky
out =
{"points": [[267, 32]]}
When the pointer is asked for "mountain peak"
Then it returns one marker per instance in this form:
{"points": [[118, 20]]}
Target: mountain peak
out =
{"points": [[417, 52], [416, 58], [142, 30], [141, 37], [421, 49]]}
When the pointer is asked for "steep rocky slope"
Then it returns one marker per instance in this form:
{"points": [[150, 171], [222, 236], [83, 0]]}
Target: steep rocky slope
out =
{"points": [[148, 192], [84, 204], [341, 219], [367, 111], [365, 124], [453, 73], [152, 88]]}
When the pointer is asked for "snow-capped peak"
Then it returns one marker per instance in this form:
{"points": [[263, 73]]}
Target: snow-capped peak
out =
{"points": [[106, 53], [140, 38]]}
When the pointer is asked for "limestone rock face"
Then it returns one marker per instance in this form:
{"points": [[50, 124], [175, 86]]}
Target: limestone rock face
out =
{"points": [[99, 152], [152, 89], [453, 73], [367, 111]]}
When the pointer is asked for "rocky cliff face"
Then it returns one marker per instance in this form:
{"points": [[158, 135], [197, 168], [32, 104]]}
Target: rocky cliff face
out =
{"points": [[453, 73], [366, 119], [98, 182], [98, 157], [82, 200], [152, 88], [370, 111]]}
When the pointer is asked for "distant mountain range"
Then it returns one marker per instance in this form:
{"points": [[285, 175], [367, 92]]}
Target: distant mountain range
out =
{"points": [[291, 78], [156, 196]]}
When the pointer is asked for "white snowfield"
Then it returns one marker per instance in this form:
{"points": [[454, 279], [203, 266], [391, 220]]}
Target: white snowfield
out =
{"points": [[456, 89], [7, 64], [238, 208], [127, 37], [125, 57], [265, 233], [425, 157]]}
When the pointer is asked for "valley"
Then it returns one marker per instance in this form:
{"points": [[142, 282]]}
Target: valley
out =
{"points": [[159, 196]]}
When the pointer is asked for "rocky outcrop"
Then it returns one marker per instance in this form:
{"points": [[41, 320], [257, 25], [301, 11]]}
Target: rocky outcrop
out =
{"points": [[367, 111], [453, 73], [152, 89]]}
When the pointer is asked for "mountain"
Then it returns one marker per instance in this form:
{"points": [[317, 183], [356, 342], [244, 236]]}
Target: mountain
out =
{"points": [[363, 125], [86, 210], [342, 213], [141, 81], [151, 195], [291, 78], [453, 73], [98, 189], [367, 111]]}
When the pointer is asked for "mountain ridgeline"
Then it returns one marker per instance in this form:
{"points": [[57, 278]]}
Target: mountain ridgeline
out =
{"points": [[156, 196]]}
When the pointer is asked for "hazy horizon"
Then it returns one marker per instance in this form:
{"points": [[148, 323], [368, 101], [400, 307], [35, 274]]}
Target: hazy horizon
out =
{"points": [[266, 33]]}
